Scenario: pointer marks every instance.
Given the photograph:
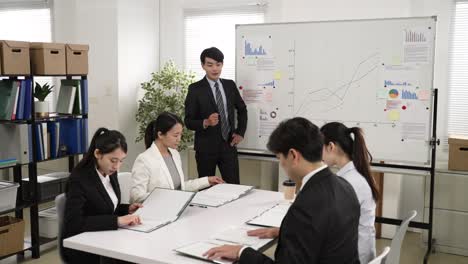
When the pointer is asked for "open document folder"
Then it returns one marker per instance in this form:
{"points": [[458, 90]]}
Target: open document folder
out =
{"points": [[161, 207], [197, 249], [220, 194], [271, 217], [234, 235]]}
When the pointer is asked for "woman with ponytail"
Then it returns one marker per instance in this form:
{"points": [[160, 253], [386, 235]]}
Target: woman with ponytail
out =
{"points": [[93, 194], [346, 149], [160, 165]]}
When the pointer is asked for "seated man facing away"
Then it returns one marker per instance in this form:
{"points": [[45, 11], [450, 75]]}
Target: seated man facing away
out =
{"points": [[321, 225]]}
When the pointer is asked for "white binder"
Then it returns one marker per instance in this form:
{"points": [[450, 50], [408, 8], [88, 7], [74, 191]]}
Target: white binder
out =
{"points": [[161, 207]]}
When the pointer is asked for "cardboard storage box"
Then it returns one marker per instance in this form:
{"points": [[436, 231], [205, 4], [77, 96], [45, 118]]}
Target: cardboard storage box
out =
{"points": [[458, 153], [14, 57], [8, 192], [48, 224], [48, 58], [11, 235], [77, 59]]}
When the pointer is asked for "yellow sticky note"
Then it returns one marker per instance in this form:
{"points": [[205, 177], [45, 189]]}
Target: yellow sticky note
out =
{"points": [[251, 61], [396, 60], [394, 115], [382, 94], [277, 75]]}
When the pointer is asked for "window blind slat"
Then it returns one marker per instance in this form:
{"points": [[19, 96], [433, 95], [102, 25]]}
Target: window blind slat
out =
{"points": [[26, 25], [206, 28], [458, 72], [24, 4]]}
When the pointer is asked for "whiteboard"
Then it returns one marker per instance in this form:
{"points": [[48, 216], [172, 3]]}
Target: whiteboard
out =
{"points": [[376, 74]]}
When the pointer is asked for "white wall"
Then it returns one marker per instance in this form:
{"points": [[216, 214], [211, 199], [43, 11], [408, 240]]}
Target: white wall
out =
{"points": [[138, 56], [303, 10], [94, 23], [171, 32], [124, 43]]}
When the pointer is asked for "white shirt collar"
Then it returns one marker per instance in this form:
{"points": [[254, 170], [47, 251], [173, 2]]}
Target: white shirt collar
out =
{"points": [[349, 166], [211, 82], [312, 173], [103, 179]]}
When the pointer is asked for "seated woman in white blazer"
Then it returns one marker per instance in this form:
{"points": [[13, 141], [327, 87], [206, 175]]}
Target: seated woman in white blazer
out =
{"points": [[160, 165]]}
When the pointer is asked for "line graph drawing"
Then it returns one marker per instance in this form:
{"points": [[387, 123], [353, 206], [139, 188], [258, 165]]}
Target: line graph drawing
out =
{"points": [[327, 99]]}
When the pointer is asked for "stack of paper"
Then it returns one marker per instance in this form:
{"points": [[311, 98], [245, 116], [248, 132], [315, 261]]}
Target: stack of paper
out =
{"points": [[238, 235], [271, 217], [220, 194], [163, 206], [197, 249]]}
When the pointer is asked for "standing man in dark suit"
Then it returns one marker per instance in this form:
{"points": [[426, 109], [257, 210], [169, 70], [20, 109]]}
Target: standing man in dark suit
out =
{"points": [[321, 226], [209, 110]]}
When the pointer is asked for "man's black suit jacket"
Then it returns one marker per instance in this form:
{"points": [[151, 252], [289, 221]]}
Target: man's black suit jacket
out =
{"points": [[200, 104], [88, 207], [321, 225]]}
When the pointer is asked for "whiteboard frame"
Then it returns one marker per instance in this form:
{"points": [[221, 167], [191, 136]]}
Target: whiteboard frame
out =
{"points": [[430, 115]]}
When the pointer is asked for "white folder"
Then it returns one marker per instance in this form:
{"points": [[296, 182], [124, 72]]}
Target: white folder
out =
{"points": [[161, 207]]}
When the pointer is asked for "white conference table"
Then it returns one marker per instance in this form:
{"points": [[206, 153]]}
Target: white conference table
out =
{"points": [[195, 224]]}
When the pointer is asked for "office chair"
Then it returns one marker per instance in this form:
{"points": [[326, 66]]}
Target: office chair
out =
{"points": [[381, 258], [393, 256], [60, 205], [125, 182]]}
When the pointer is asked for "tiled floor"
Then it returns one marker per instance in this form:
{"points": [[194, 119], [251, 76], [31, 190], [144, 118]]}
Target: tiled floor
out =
{"points": [[412, 252]]}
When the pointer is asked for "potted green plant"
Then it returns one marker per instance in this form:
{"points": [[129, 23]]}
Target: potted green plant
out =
{"points": [[40, 93], [165, 91]]}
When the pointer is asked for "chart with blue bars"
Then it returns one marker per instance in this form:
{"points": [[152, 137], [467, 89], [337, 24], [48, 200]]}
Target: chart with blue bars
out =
{"points": [[250, 50], [267, 84], [407, 95]]}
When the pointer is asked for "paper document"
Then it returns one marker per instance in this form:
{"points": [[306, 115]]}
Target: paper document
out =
{"points": [[238, 235], [163, 206], [271, 217], [220, 194], [197, 249]]}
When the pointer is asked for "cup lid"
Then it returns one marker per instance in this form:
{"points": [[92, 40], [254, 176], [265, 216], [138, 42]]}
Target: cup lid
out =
{"points": [[289, 183]]}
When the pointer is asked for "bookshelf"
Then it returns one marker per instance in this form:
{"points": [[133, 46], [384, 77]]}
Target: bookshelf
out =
{"points": [[33, 242]]}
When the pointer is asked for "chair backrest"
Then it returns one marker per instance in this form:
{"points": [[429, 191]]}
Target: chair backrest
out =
{"points": [[381, 258], [125, 182], [394, 255], [60, 201]]}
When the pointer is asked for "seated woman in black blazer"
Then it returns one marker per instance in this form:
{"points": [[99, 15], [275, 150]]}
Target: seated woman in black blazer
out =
{"points": [[93, 193]]}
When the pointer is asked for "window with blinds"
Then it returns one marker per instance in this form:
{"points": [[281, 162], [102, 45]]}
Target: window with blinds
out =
{"points": [[215, 28], [458, 72], [25, 24], [27, 21]]}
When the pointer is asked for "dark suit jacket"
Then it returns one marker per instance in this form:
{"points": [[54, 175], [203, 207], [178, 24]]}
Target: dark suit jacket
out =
{"points": [[321, 225], [89, 208], [200, 104]]}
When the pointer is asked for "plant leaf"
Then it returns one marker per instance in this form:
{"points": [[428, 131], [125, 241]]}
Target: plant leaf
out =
{"points": [[165, 91]]}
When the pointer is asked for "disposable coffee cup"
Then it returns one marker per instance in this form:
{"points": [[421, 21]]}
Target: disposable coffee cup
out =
{"points": [[289, 189]]}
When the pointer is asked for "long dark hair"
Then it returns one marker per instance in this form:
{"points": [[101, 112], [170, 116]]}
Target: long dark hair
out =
{"points": [[163, 123], [355, 149], [105, 141]]}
